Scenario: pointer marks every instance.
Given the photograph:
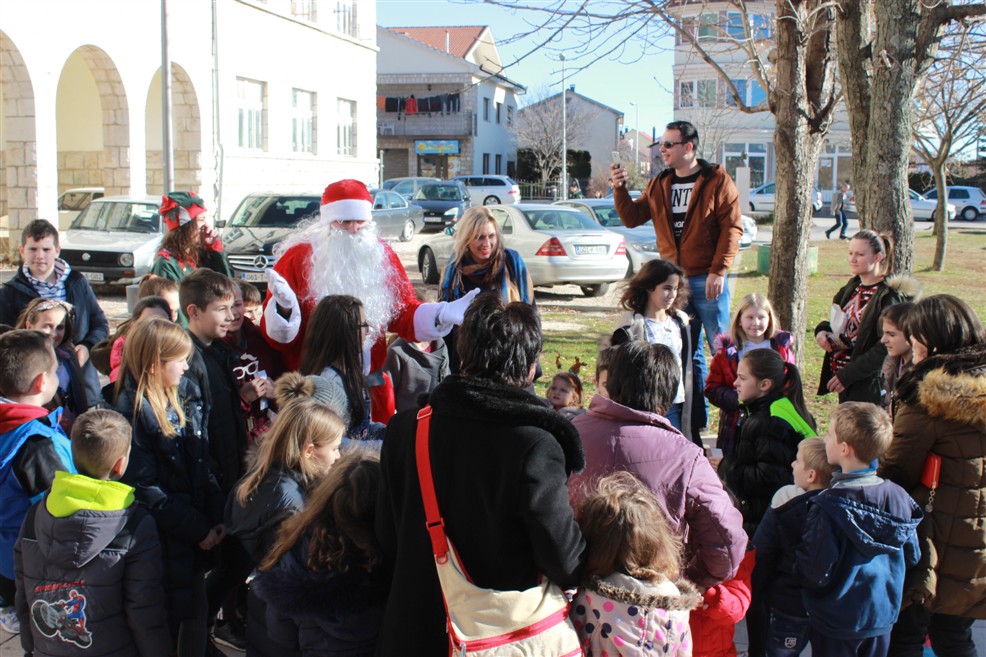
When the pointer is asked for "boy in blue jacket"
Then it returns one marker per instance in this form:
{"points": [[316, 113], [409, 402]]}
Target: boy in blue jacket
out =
{"points": [[859, 538], [32, 444], [88, 560], [777, 540]]}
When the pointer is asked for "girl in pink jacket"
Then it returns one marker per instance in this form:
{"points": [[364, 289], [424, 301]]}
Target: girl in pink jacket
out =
{"points": [[631, 603]]}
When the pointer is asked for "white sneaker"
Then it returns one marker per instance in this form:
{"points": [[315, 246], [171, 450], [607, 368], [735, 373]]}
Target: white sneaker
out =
{"points": [[8, 620]]}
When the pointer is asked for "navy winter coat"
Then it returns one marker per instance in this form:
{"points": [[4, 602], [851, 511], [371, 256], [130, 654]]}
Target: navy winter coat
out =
{"points": [[859, 538], [173, 481]]}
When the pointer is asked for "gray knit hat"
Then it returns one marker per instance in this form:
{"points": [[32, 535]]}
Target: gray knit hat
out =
{"points": [[320, 388]]}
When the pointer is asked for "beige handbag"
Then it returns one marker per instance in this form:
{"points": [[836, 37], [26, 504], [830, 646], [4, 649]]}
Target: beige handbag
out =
{"points": [[484, 622]]}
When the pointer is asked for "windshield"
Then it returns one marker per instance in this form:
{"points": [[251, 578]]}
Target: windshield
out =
{"points": [[119, 215], [439, 193], [559, 220], [73, 200], [279, 211]]}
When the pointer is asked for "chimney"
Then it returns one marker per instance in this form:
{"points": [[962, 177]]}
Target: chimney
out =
{"points": [[448, 45]]}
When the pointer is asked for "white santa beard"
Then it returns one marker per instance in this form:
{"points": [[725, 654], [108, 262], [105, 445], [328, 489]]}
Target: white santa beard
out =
{"points": [[343, 263]]}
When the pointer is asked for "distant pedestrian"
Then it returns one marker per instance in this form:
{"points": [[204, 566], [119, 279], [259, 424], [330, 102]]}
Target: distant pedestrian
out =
{"points": [[839, 199]]}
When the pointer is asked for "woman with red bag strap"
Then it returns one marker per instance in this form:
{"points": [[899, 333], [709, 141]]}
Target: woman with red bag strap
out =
{"points": [[499, 461]]}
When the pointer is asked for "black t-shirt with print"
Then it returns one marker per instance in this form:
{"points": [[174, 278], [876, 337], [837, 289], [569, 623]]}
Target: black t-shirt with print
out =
{"points": [[681, 196]]}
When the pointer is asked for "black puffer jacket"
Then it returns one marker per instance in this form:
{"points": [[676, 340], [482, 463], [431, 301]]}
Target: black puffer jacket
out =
{"points": [[172, 480], [762, 462], [280, 495], [500, 461], [103, 565], [212, 367], [322, 614]]}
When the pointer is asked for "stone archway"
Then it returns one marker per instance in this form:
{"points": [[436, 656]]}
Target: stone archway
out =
{"points": [[93, 123], [187, 128], [18, 146]]}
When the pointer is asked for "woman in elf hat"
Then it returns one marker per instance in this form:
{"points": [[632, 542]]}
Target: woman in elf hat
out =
{"points": [[190, 242]]}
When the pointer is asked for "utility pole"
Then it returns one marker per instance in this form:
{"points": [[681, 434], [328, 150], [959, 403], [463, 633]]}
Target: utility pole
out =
{"points": [[166, 123]]}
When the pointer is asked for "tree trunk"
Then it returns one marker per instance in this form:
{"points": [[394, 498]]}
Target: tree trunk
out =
{"points": [[941, 215], [801, 102], [853, 34]]}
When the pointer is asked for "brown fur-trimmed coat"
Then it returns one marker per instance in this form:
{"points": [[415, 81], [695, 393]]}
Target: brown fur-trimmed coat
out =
{"points": [[943, 411]]}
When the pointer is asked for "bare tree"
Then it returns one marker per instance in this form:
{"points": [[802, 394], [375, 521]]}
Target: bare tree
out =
{"points": [[950, 107], [793, 61], [538, 129], [885, 49]]}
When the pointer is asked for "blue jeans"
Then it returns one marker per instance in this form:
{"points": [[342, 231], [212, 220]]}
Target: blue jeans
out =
{"points": [[712, 318], [841, 224], [826, 646], [787, 636], [673, 414]]}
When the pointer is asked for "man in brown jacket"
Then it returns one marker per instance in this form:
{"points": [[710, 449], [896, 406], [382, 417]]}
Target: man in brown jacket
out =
{"points": [[696, 213]]}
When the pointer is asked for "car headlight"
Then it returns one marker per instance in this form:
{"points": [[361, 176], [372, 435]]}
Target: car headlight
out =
{"points": [[452, 212], [644, 247], [126, 259]]}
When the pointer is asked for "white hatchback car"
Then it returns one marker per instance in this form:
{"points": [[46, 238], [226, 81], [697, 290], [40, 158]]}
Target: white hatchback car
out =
{"points": [[115, 239], [970, 202], [491, 190]]}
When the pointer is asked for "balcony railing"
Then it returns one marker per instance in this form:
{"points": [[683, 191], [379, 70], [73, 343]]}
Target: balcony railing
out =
{"points": [[392, 124]]}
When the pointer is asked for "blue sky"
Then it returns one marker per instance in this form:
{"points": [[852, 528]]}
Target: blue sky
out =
{"points": [[612, 83]]}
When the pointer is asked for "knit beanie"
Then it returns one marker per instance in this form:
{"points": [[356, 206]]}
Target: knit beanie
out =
{"points": [[322, 389]]}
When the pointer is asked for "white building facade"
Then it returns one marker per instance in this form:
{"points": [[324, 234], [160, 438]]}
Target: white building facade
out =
{"points": [[443, 108], [259, 98], [729, 136]]}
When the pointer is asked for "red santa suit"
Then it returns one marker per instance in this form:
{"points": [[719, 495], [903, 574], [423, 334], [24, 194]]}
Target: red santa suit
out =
{"points": [[412, 320]]}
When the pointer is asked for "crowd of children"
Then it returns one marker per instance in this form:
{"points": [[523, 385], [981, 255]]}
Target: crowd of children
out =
{"points": [[214, 497]]}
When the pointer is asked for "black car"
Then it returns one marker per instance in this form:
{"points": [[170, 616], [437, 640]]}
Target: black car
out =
{"points": [[262, 220], [442, 202]]}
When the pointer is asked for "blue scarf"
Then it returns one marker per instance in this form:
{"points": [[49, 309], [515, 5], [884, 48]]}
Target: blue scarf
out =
{"points": [[513, 270]]}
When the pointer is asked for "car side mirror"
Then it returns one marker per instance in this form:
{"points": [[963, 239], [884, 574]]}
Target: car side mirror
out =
{"points": [[450, 231]]}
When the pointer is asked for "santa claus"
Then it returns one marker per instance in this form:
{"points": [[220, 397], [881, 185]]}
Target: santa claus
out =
{"points": [[340, 253]]}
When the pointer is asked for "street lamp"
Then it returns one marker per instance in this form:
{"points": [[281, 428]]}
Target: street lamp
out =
{"points": [[564, 132], [636, 137]]}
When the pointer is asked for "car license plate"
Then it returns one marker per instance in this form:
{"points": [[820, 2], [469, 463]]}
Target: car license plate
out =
{"points": [[590, 249], [255, 276], [434, 220], [94, 276]]}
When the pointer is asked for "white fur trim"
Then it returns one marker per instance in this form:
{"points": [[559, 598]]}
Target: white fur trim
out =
{"points": [[281, 329], [424, 322], [346, 210]]}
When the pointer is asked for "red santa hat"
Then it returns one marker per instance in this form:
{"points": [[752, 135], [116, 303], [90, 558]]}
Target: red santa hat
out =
{"points": [[346, 200]]}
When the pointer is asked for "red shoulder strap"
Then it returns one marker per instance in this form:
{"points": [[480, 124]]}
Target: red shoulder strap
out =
{"points": [[433, 517]]}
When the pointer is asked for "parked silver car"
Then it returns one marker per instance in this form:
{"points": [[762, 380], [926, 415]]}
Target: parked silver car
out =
{"points": [[922, 208], [969, 202], [560, 246], [115, 239], [641, 242], [408, 186], [261, 220]]}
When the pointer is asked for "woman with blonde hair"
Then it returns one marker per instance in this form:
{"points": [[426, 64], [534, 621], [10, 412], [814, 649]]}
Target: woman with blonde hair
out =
{"points": [[292, 457], [169, 469], [480, 261]]}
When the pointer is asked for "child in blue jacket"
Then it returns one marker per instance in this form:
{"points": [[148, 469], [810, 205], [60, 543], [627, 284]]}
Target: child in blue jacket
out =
{"points": [[32, 444], [859, 538]]}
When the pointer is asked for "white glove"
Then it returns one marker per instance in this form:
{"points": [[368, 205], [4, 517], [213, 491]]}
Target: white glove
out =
{"points": [[280, 290], [454, 312]]}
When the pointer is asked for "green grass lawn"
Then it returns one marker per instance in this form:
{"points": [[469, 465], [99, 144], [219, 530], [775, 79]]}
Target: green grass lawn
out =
{"points": [[577, 332]]}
